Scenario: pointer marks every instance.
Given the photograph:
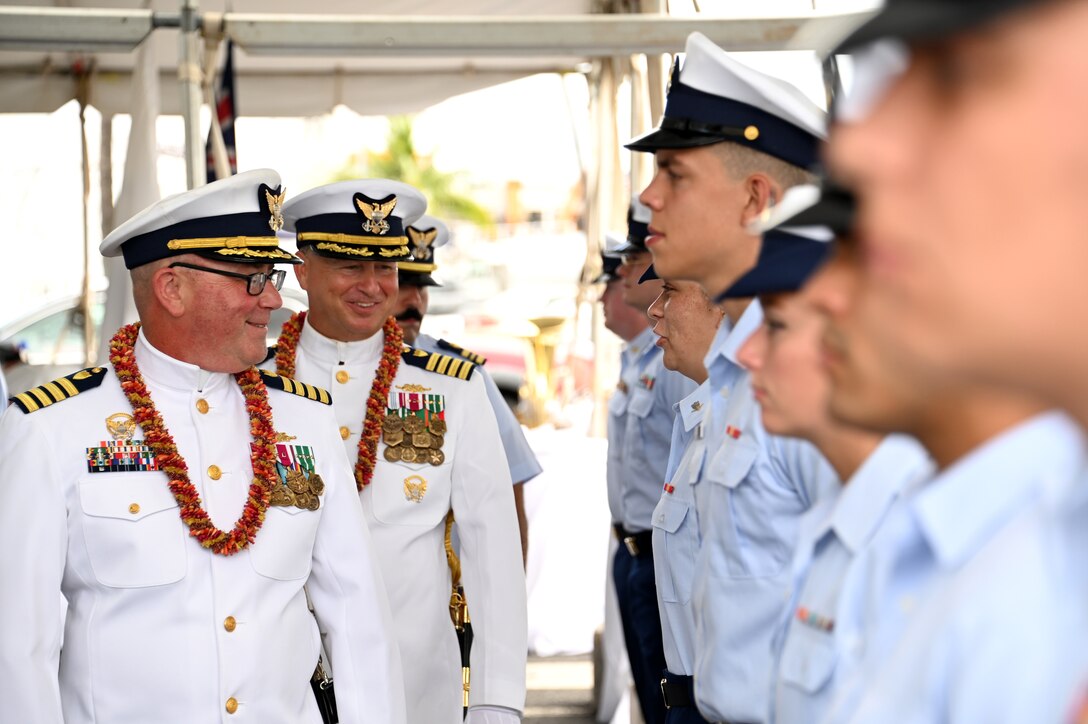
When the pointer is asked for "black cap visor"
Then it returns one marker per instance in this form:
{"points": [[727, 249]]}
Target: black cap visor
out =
{"points": [[668, 138]]}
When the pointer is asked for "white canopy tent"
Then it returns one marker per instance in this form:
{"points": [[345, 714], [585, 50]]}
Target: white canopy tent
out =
{"points": [[339, 53]]}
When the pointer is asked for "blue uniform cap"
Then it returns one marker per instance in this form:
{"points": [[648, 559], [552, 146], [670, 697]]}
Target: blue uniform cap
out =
{"points": [[713, 98], [609, 265], [649, 275], [927, 20], [796, 240]]}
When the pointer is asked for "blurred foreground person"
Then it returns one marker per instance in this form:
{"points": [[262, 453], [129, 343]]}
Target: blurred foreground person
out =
{"points": [[963, 613], [422, 436], [948, 224], [179, 499]]}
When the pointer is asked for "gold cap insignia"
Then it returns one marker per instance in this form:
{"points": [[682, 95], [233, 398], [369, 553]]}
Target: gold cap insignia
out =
{"points": [[376, 213], [421, 242], [121, 425], [275, 207]]}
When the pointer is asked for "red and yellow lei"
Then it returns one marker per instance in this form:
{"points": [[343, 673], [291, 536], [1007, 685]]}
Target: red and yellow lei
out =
{"points": [[157, 437], [286, 348]]}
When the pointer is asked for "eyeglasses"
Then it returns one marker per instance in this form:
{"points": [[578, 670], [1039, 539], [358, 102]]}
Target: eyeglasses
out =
{"points": [[254, 282]]}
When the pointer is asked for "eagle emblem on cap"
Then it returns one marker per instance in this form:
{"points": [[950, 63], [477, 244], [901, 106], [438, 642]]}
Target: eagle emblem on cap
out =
{"points": [[376, 212], [421, 242], [275, 207]]}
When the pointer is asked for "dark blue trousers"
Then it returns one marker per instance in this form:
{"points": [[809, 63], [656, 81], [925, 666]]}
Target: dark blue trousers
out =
{"points": [[636, 592]]}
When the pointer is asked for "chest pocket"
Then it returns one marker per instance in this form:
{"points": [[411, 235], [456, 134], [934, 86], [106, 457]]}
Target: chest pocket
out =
{"points": [[285, 544], [676, 528], [642, 401], [617, 404], [808, 659], [412, 494], [733, 462], [132, 531]]}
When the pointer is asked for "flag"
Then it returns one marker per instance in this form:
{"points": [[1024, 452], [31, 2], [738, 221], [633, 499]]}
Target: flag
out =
{"points": [[221, 134]]}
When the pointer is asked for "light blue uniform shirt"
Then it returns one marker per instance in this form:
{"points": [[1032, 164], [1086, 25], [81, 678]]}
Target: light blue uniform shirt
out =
{"points": [[832, 547], [966, 613], [676, 532], [519, 456], [640, 416], [757, 486]]}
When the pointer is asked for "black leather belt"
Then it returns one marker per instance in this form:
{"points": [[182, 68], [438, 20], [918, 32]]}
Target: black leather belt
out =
{"points": [[677, 690], [637, 543]]}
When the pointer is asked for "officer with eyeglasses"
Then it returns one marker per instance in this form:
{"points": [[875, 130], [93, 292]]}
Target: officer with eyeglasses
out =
{"points": [[179, 499]]}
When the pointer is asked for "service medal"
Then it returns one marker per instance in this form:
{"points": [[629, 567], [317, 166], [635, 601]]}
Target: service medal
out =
{"points": [[317, 485], [392, 423], [438, 426], [413, 424], [421, 439], [296, 481], [392, 454], [408, 454], [393, 438], [436, 457]]}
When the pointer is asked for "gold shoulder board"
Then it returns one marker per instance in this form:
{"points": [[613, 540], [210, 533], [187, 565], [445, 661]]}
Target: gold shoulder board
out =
{"points": [[278, 382], [440, 363], [59, 389], [476, 359]]}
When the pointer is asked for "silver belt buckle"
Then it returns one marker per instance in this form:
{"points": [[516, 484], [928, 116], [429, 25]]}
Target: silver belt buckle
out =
{"points": [[665, 692]]}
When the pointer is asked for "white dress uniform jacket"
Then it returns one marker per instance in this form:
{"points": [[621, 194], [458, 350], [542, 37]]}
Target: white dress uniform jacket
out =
{"points": [[474, 481], [159, 629]]}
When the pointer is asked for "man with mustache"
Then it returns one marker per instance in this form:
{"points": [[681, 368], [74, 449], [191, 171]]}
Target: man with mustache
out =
{"points": [[182, 504], [731, 142], [414, 278], [424, 443]]}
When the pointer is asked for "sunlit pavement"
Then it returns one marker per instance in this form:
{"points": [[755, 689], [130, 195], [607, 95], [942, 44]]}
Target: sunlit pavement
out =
{"points": [[560, 690]]}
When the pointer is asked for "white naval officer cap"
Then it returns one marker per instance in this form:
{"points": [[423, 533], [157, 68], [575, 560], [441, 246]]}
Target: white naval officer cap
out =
{"points": [[360, 220], [712, 97], [234, 219], [424, 236]]}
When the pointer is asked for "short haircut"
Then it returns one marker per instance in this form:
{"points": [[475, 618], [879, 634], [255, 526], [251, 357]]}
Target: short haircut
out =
{"points": [[741, 162]]}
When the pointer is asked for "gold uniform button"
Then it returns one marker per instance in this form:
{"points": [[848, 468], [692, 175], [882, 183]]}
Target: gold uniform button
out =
{"points": [[751, 133], [214, 472], [344, 433], [342, 377], [232, 705], [229, 623], [202, 406], [134, 508]]}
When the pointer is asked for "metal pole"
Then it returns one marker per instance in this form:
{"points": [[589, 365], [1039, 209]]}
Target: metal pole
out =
{"points": [[189, 77]]}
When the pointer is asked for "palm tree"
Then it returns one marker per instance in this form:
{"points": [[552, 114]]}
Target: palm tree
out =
{"points": [[401, 162]]}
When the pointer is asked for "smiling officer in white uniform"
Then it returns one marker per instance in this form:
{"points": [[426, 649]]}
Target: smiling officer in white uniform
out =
{"points": [[180, 517], [431, 445]]}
